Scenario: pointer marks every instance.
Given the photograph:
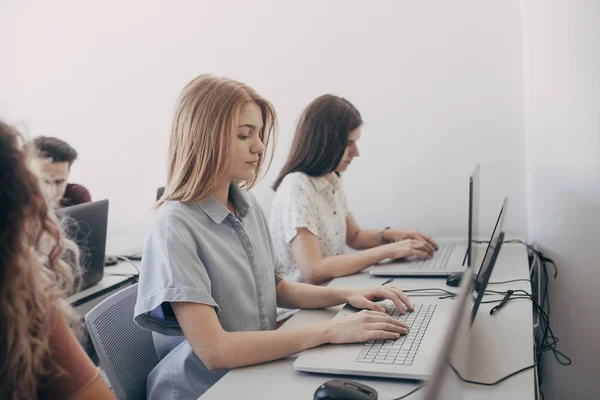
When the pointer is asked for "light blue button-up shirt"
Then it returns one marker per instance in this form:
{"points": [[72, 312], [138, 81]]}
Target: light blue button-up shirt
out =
{"points": [[202, 253]]}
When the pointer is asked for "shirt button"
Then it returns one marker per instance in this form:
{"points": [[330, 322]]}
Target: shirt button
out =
{"points": [[334, 212]]}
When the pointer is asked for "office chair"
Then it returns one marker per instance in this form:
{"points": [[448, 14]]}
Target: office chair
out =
{"points": [[159, 192], [125, 350]]}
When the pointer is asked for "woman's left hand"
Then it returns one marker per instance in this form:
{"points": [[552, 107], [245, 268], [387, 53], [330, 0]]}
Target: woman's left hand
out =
{"points": [[366, 298], [402, 234]]}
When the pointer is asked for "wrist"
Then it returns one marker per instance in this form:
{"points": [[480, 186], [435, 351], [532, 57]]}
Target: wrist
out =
{"points": [[345, 294], [386, 251], [322, 334], [383, 238]]}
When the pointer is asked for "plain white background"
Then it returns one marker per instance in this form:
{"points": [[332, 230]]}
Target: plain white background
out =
{"points": [[510, 84], [562, 81], [439, 85]]}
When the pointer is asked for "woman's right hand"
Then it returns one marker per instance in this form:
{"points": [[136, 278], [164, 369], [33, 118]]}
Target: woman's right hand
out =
{"points": [[409, 247], [363, 326]]}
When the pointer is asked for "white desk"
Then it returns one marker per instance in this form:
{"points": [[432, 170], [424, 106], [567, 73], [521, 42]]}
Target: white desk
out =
{"points": [[503, 343], [115, 278]]}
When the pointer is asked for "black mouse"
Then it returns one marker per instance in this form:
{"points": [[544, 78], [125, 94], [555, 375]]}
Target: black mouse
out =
{"points": [[109, 261], [454, 279], [344, 389]]}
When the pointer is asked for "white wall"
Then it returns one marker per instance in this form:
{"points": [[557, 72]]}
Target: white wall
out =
{"points": [[562, 92], [439, 85]]}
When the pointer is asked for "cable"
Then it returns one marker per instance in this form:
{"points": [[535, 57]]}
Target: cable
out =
{"points": [[444, 291], [409, 393], [491, 383], [118, 274], [549, 341], [511, 281], [126, 259], [531, 248]]}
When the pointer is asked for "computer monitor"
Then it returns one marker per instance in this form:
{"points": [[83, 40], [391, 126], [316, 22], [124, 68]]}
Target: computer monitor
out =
{"points": [[86, 225], [473, 216]]}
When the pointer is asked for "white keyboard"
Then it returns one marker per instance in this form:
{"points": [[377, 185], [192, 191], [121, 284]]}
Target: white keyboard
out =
{"points": [[438, 261], [403, 350]]}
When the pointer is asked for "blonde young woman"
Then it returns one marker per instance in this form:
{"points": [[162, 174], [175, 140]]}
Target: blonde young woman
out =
{"points": [[310, 219], [208, 269], [40, 357]]}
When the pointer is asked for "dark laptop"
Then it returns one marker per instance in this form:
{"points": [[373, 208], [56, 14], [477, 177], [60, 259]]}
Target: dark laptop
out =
{"points": [[86, 225]]}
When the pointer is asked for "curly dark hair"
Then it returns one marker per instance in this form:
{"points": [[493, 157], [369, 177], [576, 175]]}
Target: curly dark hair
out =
{"points": [[33, 277], [56, 149]]}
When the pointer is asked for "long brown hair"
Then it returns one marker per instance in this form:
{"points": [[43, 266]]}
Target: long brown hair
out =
{"points": [[201, 137], [33, 277], [321, 137]]}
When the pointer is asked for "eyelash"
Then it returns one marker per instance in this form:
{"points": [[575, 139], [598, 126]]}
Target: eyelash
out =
{"points": [[244, 135]]}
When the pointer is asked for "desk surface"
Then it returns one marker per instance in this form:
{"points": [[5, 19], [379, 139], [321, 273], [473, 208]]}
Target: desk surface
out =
{"points": [[115, 278], [503, 343]]}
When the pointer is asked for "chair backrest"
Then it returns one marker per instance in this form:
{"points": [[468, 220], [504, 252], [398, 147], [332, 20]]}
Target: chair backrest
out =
{"points": [[159, 192], [125, 350]]}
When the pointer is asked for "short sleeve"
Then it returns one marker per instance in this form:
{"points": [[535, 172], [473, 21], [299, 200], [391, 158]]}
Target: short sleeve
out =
{"points": [[298, 211], [171, 272]]}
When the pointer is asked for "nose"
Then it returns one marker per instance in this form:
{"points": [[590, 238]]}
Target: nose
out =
{"points": [[50, 189], [355, 152], [257, 147]]}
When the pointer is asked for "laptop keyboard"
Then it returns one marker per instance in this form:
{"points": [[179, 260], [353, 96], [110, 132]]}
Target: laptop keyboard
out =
{"points": [[403, 350], [438, 261]]}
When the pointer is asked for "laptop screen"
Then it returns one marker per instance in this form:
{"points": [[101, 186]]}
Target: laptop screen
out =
{"points": [[492, 250], [473, 216], [86, 225]]}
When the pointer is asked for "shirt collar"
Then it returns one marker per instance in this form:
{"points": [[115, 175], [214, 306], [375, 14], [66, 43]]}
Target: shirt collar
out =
{"points": [[321, 182], [218, 212]]}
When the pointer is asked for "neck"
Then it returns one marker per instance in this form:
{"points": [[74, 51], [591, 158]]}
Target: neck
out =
{"points": [[331, 177], [222, 194]]}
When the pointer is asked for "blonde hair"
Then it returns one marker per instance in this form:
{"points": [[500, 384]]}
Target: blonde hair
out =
{"points": [[205, 119], [33, 278]]}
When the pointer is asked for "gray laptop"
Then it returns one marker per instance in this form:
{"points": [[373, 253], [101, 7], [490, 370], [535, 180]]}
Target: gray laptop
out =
{"points": [[456, 350], [412, 356], [451, 257], [86, 225]]}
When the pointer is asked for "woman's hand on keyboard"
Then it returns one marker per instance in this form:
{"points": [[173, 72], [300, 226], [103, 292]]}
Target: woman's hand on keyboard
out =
{"points": [[362, 326], [367, 298], [408, 248], [398, 235]]}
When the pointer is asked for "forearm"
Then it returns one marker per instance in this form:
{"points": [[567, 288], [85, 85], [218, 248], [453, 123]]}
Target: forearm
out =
{"points": [[240, 349], [365, 239], [346, 264], [301, 295]]}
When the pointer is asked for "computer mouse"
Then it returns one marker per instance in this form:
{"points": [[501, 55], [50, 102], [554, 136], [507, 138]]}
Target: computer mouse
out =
{"points": [[454, 279], [344, 389], [109, 261]]}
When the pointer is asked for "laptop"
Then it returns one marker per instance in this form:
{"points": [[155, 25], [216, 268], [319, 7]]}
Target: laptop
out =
{"points": [[456, 349], [451, 257], [86, 225], [411, 356]]}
